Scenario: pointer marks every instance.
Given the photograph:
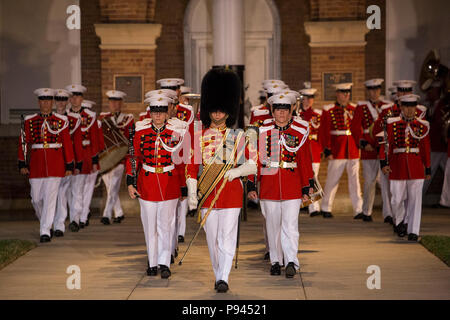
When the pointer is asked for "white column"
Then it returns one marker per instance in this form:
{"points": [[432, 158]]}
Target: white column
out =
{"points": [[228, 32]]}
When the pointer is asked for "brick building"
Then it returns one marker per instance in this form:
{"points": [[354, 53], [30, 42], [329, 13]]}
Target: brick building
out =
{"points": [[152, 39]]}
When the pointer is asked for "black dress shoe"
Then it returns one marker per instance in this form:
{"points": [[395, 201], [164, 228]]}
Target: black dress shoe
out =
{"points": [[327, 214], [59, 233], [275, 270], [222, 286], [165, 272], [82, 224], [359, 216], [290, 270], [367, 218], [180, 239], [44, 238], [118, 219], [51, 233], [401, 230], [413, 237], [315, 213], [74, 227], [86, 223], [153, 271], [389, 220], [105, 221], [267, 256]]}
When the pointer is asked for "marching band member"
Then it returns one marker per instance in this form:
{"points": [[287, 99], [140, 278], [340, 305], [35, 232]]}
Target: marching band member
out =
{"points": [[366, 113], [62, 98], [313, 116], [286, 177], [172, 94], [158, 188], [220, 97], [81, 184], [112, 179], [261, 112], [340, 150], [408, 164], [47, 136]]}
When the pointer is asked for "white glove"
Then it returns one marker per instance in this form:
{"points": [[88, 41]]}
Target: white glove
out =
{"points": [[178, 124], [192, 193], [241, 171]]}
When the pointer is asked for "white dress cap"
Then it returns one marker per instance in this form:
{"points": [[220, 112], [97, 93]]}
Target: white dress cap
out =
{"points": [[76, 88]]}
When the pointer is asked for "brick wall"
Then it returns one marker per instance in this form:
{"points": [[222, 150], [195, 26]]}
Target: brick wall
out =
{"points": [[136, 62], [90, 52], [295, 51], [326, 10], [136, 11], [375, 49], [170, 45]]}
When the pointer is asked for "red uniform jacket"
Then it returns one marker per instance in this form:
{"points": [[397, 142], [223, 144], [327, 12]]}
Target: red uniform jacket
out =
{"points": [[289, 148], [366, 114], [335, 131], [90, 134], [75, 134], [409, 149], [47, 141], [313, 116], [158, 175], [259, 115], [206, 142]]}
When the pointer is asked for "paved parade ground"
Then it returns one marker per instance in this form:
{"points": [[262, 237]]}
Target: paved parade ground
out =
{"points": [[334, 255]]}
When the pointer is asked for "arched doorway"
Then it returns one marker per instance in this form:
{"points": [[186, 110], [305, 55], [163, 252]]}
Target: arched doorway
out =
{"points": [[262, 43]]}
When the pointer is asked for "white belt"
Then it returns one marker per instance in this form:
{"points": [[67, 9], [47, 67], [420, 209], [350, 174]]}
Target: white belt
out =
{"points": [[406, 150], [366, 131], [46, 145], [341, 132], [158, 169], [282, 164], [86, 143]]}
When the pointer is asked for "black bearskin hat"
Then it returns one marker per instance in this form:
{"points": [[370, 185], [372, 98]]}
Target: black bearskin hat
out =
{"points": [[221, 91]]}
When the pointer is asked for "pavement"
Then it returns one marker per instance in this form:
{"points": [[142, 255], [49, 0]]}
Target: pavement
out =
{"points": [[334, 255]]}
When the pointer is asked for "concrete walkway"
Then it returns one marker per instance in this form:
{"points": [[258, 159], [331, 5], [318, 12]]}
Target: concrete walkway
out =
{"points": [[334, 256]]}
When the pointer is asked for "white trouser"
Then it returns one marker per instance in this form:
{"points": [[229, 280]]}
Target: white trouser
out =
{"points": [[282, 230], [385, 194], [180, 223], [158, 220], [407, 201], [44, 193], [371, 170], [77, 183], [89, 186], [445, 195], [112, 181], [61, 204], [334, 173], [315, 206], [221, 235], [437, 159], [266, 240]]}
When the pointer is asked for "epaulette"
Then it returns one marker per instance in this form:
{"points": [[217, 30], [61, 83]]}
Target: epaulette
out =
{"points": [[268, 121], [74, 115], [328, 107], [61, 116], [318, 111], [352, 104], [421, 108], [256, 107], [143, 124], [393, 119], [261, 112], [363, 103], [387, 106], [104, 113], [30, 116], [301, 121], [89, 112], [263, 129]]}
